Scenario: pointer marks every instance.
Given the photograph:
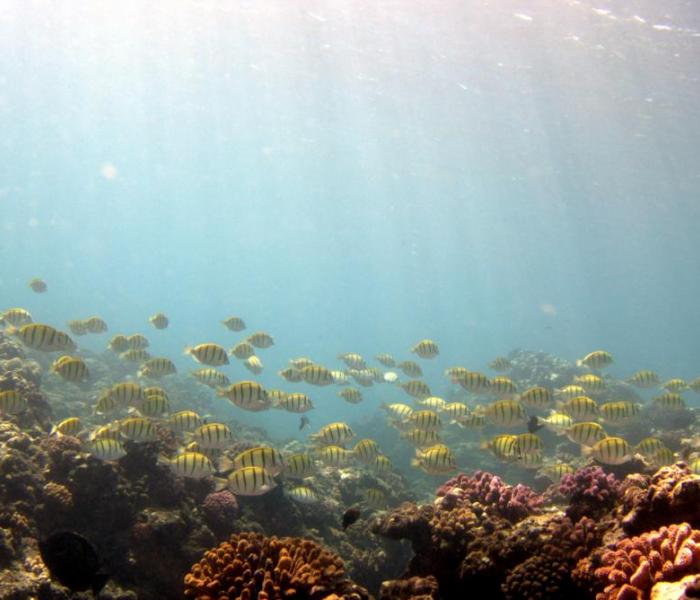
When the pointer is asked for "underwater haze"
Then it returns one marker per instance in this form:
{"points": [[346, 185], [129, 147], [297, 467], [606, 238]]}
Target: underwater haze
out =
{"points": [[355, 176], [360, 174]]}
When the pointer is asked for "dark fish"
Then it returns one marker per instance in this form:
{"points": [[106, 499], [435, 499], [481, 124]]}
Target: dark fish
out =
{"points": [[350, 516], [534, 424], [304, 422], [73, 561]]}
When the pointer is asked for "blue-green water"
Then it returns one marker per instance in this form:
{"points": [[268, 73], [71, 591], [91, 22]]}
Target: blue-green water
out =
{"points": [[355, 176]]}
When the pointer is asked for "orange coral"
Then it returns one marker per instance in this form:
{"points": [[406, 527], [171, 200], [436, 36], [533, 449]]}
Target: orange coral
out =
{"points": [[630, 568], [250, 566]]}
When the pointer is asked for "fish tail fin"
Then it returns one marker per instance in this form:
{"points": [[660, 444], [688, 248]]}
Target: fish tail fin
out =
{"points": [[187, 350], [163, 460], [225, 464], [220, 484], [11, 330]]}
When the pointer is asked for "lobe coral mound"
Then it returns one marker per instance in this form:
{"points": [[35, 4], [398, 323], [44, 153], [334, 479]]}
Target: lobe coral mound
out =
{"points": [[250, 566]]}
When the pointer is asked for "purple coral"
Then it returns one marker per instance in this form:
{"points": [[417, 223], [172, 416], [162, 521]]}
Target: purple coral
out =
{"points": [[511, 502], [591, 492], [220, 511]]}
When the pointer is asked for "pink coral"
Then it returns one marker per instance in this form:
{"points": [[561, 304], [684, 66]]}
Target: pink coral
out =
{"points": [[633, 565], [591, 492], [511, 502], [220, 511]]}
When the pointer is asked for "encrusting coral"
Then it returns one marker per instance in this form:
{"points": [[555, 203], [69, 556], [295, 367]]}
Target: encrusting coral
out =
{"points": [[671, 495], [251, 566], [413, 588]]}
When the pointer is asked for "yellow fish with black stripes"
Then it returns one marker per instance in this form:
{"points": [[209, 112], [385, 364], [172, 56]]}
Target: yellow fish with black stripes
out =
{"points": [[71, 368], [644, 379], [303, 495], [299, 465], [296, 402], [159, 320], [248, 395], [16, 317], [210, 354], [337, 433], [212, 436], [598, 359], [609, 451], [316, 375], [211, 377], [12, 402], [436, 460], [155, 368], [138, 429], [242, 350], [248, 481], [234, 323], [184, 421], [193, 465], [426, 349], [266, 457], [44, 338], [260, 339]]}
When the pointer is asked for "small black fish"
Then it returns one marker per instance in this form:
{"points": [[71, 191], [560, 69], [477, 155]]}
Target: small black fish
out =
{"points": [[304, 422], [534, 424], [350, 516], [73, 561]]}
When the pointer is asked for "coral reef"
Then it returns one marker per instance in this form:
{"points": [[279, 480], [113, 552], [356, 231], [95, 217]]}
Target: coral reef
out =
{"points": [[479, 537], [19, 373], [544, 575], [250, 565], [220, 511], [413, 588], [591, 492], [629, 568], [685, 589], [671, 495], [510, 502], [532, 368], [482, 536]]}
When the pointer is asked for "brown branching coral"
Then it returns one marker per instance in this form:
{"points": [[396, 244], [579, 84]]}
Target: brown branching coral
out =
{"points": [[250, 566], [542, 576]]}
